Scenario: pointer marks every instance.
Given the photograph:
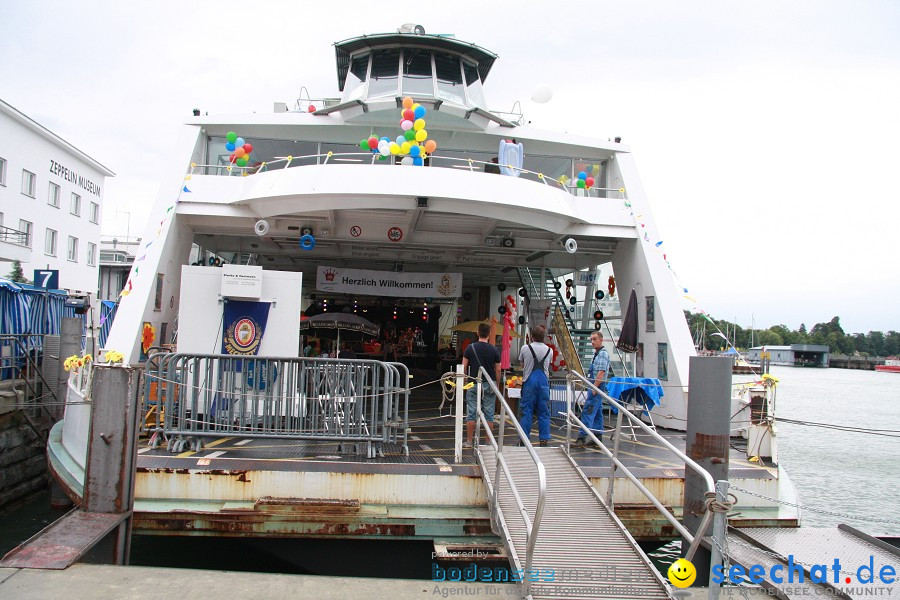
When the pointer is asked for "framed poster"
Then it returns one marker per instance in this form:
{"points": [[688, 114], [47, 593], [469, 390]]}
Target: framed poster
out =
{"points": [[651, 313], [662, 365], [639, 360]]}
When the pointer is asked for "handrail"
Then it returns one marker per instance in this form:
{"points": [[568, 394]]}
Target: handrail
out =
{"points": [[707, 478], [466, 162], [532, 527]]}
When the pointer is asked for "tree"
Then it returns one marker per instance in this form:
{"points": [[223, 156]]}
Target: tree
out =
{"points": [[892, 343], [16, 274], [876, 343], [860, 343]]}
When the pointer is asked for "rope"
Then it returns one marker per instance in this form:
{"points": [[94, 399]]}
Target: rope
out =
{"points": [[817, 510]]}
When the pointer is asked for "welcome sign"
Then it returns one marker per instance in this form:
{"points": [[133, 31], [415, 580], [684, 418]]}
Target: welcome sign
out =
{"points": [[388, 283]]}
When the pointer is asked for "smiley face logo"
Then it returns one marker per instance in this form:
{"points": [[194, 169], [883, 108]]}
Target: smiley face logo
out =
{"points": [[682, 573]]}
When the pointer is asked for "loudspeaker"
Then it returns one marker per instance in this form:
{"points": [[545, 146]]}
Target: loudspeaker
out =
{"points": [[508, 243]]}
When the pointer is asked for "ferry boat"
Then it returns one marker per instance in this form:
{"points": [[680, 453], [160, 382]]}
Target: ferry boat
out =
{"points": [[332, 205], [891, 365]]}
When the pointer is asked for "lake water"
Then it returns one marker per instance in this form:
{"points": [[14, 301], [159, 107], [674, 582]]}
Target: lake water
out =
{"points": [[844, 472]]}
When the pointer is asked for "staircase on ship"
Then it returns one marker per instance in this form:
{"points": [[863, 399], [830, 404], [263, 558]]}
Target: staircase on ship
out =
{"points": [[580, 548]]}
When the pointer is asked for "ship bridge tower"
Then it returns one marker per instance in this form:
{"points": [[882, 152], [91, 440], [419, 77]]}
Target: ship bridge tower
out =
{"points": [[444, 74]]}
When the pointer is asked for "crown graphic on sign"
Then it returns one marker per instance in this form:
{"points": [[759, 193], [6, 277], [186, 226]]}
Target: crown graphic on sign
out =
{"points": [[330, 274]]}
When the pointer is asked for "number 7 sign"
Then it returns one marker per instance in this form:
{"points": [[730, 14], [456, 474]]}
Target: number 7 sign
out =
{"points": [[47, 279]]}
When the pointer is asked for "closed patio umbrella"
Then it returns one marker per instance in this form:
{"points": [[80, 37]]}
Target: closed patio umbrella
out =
{"points": [[332, 324], [628, 340]]}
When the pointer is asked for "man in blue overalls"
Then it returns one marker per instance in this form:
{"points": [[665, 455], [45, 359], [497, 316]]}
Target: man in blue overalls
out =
{"points": [[536, 389], [592, 413]]}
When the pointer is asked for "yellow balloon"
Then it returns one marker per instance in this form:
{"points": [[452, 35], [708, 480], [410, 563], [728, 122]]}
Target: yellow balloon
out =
{"points": [[395, 148], [407, 102], [419, 124], [404, 149], [421, 135], [415, 106]]}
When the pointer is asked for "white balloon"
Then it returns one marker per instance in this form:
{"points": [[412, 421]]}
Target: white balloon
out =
{"points": [[407, 160], [542, 94]]}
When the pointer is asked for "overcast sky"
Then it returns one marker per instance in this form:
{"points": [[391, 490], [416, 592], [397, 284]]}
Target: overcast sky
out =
{"points": [[767, 134]]}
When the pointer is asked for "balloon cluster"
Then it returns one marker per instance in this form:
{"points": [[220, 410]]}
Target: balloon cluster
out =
{"points": [[240, 150], [413, 144], [509, 315], [584, 180]]}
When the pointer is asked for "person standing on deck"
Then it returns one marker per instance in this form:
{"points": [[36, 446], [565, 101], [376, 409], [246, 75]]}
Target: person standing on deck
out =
{"points": [[592, 413], [480, 354], [536, 389]]}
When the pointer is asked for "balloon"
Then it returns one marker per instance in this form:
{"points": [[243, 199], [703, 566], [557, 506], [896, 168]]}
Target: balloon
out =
{"points": [[419, 124], [407, 102], [418, 162], [232, 158], [248, 148], [589, 181], [231, 136], [395, 148], [364, 144], [582, 175], [384, 151], [404, 149], [386, 139], [373, 142], [421, 135], [408, 114], [400, 140], [415, 151], [410, 135], [580, 183], [407, 160], [239, 142], [430, 146], [242, 162], [311, 108], [415, 106], [229, 146], [406, 125], [542, 94], [419, 112], [239, 152]]}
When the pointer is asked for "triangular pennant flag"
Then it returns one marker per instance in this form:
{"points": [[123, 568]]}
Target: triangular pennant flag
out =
{"points": [[168, 210], [143, 256], [658, 244], [185, 189]]}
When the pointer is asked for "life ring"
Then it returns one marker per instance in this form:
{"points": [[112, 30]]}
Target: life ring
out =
{"points": [[599, 294], [307, 242], [557, 285], [571, 246], [598, 315], [611, 287], [523, 292], [261, 227], [573, 300]]}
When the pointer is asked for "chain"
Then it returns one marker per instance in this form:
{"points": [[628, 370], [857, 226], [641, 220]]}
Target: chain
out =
{"points": [[818, 510]]}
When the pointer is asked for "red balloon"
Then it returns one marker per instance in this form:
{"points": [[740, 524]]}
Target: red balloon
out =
{"points": [[373, 142], [232, 158], [408, 114], [310, 108], [248, 148], [589, 181]]}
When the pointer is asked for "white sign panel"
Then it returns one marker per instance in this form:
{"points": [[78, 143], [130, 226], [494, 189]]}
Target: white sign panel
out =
{"points": [[242, 281], [388, 283]]}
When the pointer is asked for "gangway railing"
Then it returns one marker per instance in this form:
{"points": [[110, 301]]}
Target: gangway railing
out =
{"points": [[711, 491], [359, 403], [532, 524], [19, 362]]}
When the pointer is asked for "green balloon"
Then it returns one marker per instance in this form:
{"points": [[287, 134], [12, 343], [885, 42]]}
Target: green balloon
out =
{"points": [[231, 136], [580, 183], [410, 135], [242, 162], [364, 144]]}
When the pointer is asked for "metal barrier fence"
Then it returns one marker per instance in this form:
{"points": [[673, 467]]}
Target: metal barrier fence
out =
{"points": [[358, 403]]}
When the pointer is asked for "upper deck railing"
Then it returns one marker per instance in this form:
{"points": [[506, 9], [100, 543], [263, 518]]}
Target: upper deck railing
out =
{"points": [[468, 164]]}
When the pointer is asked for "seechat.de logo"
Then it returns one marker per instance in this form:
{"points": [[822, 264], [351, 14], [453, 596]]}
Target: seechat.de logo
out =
{"points": [[682, 573]]}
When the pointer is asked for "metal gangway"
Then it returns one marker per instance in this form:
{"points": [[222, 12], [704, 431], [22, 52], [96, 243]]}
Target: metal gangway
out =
{"points": [[360, 404], [562, 538]]}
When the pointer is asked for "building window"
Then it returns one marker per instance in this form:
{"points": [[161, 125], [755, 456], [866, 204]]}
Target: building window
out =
{"points": [[28, 182], [159, 291], [76, 205], [50, 242], [662, 358], [95, 212], [651, 312], [73, 249], [26, 227], [2, 171], [92, 254], [53, 195]]}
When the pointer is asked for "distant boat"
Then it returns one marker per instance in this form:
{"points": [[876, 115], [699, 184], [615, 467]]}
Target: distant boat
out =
{"points": [[891, 365]]}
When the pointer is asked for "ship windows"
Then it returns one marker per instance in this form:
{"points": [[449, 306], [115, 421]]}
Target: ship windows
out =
{"points": [[356, 77], [417, 77], [473, 85], [384, 74], [449, 78]]}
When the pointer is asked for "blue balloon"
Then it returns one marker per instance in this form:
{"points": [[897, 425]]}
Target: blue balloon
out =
{"points": [[582, 175], [400, 140], [418, 162], [229, 146], [387, 139], [415, 151], [419, 112], [238, 142]]}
